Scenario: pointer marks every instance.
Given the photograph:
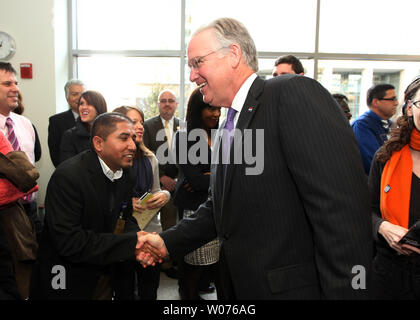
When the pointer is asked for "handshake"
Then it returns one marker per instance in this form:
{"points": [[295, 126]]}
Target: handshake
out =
{"points": [[150, 249]]}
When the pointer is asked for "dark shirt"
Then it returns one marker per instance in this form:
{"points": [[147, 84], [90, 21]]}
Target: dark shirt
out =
{"points": [[414, 200]]}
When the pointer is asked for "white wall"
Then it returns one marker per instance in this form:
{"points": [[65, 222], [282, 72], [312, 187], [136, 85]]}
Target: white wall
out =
{"points": [[40, 31]]}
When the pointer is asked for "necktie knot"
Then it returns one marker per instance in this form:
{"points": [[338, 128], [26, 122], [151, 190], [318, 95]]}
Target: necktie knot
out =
{"points": [[11, 136], [229, 119], [9, 122]]}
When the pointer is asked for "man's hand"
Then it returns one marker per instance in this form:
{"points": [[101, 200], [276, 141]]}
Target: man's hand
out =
{"points": [[150, 249], [168, 183]]}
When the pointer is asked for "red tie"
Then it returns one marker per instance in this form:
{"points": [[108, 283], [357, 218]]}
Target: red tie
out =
{"points": [[11, 135], [15, 145]]}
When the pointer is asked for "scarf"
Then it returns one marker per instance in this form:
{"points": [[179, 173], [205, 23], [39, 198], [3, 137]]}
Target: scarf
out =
{"points": [[144, 176], [396, 183]]}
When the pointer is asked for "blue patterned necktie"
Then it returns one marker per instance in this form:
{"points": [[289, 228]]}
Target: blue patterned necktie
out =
{"points": [[11, 135], [227, 137]]}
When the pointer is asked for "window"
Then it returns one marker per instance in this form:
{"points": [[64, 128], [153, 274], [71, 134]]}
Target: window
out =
{"points": [[128, 25], [130, 80], [130, 49]]}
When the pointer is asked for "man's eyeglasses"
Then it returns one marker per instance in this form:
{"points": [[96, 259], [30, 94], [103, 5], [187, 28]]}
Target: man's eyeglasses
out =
{"points": [[195, 63], [389, 99], [416, 103], [167, 100]]}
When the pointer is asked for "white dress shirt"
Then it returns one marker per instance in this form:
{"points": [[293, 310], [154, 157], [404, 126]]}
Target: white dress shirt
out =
{"points": [[240, 97], [111, 175], [24, 132]]}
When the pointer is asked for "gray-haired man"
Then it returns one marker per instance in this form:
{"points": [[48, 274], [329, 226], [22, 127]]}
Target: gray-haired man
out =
{"points": [[65, 120]]}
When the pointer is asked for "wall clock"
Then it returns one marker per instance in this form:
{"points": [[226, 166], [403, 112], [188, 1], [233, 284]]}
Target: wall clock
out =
{"points": [[7, 46]]}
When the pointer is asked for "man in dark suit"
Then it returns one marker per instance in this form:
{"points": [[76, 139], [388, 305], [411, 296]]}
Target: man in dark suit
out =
{"points": [[293, 224], [89, 228], [64, 120], [158, 133]]}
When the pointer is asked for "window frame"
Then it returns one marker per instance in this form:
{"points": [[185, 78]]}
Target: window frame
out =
{"points": [[316, 55]]}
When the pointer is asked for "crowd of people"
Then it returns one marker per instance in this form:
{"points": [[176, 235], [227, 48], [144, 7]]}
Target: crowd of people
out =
{"points": [[331, 197]]}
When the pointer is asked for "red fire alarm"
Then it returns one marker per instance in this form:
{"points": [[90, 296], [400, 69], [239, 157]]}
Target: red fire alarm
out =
{"points": [[26, 70]]}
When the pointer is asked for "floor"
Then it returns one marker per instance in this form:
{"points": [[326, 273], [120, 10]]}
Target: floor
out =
{"points": [[168, 290]]}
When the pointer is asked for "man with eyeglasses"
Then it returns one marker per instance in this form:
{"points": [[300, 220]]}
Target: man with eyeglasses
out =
{"points": [[300, 227], [372, 127], [168, 172]]}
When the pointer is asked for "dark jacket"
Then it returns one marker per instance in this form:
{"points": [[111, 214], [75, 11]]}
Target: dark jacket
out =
{"points": [[151, 128], [197, 176], [74, 141], [296, 228], [79, 224], [58, 124]]}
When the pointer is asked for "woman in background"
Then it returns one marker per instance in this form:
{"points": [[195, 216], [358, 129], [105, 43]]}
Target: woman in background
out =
{"points": [[192, 190], [77, 139], [146, 172], [394, 185]]}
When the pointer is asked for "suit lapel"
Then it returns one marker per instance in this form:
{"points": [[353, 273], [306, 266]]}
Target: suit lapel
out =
{"points": [[176, 124], [97, 177], [70, 117], [249, 109], [216, 167]]}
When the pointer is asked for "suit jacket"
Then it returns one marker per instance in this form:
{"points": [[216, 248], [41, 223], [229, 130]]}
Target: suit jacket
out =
{"points": [[151, 128], [296, 230], [78, 233], [58, 123], [196, 175]]}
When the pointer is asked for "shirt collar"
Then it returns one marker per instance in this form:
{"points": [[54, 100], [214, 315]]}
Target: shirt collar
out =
{"points": [[170, 120], [111, 175], [240, 97], [75, 114], [3, 119]]}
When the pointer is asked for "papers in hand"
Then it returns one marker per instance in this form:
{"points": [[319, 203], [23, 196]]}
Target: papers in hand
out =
{"points": [[147, 215]]}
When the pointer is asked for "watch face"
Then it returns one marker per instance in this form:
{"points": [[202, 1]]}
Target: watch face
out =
{"points": [[7, 46]]}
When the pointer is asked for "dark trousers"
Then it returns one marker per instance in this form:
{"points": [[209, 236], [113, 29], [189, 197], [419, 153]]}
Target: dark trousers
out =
{"points": [[396, 277], [147, 281], [226, 291], [192, 276]]}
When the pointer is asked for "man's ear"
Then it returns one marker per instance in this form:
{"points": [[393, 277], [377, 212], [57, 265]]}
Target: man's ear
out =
{"points": [[235, 54], [97, 143], [375, 102]]}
